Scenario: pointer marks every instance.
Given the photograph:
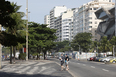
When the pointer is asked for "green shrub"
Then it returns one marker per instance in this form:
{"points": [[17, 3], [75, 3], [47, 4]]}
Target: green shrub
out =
{"points": [[22, 56]]}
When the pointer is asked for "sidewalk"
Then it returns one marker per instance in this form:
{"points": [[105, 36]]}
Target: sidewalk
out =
{"points": [[32, 68]]}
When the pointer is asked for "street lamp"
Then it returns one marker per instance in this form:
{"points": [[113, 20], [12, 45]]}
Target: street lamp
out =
{"points": [[0, 53], [27, 32], [115, 17]]}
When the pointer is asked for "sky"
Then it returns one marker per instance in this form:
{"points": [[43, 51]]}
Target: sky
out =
{"points": [[39, 8]]}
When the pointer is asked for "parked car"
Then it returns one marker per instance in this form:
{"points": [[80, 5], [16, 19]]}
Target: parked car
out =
{"points": [[113, 60], [97, 58], [101, 58], [107, 59], [91, 59]]}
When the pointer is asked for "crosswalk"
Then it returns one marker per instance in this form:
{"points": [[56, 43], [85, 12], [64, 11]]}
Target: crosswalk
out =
{"points": [[29, 68]]}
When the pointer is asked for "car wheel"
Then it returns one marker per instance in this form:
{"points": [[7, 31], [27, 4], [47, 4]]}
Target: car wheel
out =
{"points": [[105, 61], [113, 62]]}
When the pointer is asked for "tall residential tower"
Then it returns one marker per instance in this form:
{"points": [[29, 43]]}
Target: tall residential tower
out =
{"points": [[47, 20], [56, 12]]}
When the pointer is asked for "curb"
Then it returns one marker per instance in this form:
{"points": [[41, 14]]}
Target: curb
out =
{"points": [[67, 70]]}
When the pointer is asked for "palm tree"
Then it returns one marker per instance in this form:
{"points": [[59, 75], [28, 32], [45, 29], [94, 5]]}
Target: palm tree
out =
{"points": [[19, 29]]}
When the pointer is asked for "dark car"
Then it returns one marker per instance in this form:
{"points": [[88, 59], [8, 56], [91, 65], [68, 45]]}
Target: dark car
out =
{"points": [[92, 59], [97, 58]]}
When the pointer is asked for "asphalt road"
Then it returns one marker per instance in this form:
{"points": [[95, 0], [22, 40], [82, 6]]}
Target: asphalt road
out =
{"points": [[90, 68]]}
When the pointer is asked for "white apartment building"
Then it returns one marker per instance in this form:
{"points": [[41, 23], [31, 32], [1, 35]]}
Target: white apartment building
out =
{"points": [[56, 12], [84, 19], [47, 20], [63, 25]]}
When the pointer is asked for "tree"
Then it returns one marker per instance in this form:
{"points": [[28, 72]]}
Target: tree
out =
{"points": [[82, 39], [113, 43], [104, 44], [5, 10], [41, 37], [94, 46], [60, 45], [18, 30]]}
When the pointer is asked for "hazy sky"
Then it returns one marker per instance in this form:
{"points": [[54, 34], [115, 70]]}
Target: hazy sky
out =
{"points": [[39, 8]]}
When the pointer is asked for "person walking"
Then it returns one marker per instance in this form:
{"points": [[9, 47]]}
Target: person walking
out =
{"points": [[62, 61], [66, 61]]}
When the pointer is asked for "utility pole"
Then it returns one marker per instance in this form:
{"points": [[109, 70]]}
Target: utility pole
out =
{"points": [[115, 29], [79, 52], [0, 54], [115, 17], [83, 18], [27, 33], [113, 51]]}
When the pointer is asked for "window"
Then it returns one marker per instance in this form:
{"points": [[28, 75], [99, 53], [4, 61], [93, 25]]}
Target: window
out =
{"points": [[95, 22], [90, 17], [69, 19], [90, 26], [95, 18], [95, 8], [90, 13], [90, 22], [90, 8]]}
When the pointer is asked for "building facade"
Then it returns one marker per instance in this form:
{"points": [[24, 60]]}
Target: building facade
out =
{"points": [[63, 25], [47, 20], [85, 19], [56, 12]]}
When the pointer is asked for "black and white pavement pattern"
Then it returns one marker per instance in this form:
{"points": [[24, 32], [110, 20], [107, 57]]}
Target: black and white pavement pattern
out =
{"points": [[34, 68]]}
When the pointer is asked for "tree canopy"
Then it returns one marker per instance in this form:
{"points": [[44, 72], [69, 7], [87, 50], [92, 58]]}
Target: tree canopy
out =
{"points": [[62, 46], [41, 37], [5, 10], [82, 39]]}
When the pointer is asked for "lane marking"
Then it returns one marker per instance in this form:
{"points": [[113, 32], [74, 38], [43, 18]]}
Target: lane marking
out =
{"points": [[105, 70], [78, 63], [84, 64], [67, 70], [92, 67]]}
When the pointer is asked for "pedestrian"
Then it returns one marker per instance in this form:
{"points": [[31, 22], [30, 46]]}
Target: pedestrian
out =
{"points": [[66, 61], [62, 61]]}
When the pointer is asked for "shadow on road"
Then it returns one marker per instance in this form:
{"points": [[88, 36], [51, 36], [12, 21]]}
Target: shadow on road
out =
{"points": [[4, 74]]}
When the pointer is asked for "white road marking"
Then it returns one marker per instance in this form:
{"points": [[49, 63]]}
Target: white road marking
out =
{"points": [[84, 64], [40, 64], [23, 70], [92, 67], [43, 68], [32, 70], [78, 63], [105, 70], [49, 72]]}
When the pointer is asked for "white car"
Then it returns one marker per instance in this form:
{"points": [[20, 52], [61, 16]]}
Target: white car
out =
{"points": [[107, 59]]}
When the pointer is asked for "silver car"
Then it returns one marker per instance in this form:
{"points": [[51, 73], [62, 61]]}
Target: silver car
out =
{"points": [[107, 59]]}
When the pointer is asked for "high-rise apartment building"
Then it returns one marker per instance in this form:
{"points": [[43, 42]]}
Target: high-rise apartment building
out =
{"points": [[56, 12], [47, 20], [63, 24], [84, 19]]}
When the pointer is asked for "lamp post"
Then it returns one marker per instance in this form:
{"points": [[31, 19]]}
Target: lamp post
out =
{"points": [[79, 51], [27, 32], [115, 17], [0, 53]]}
